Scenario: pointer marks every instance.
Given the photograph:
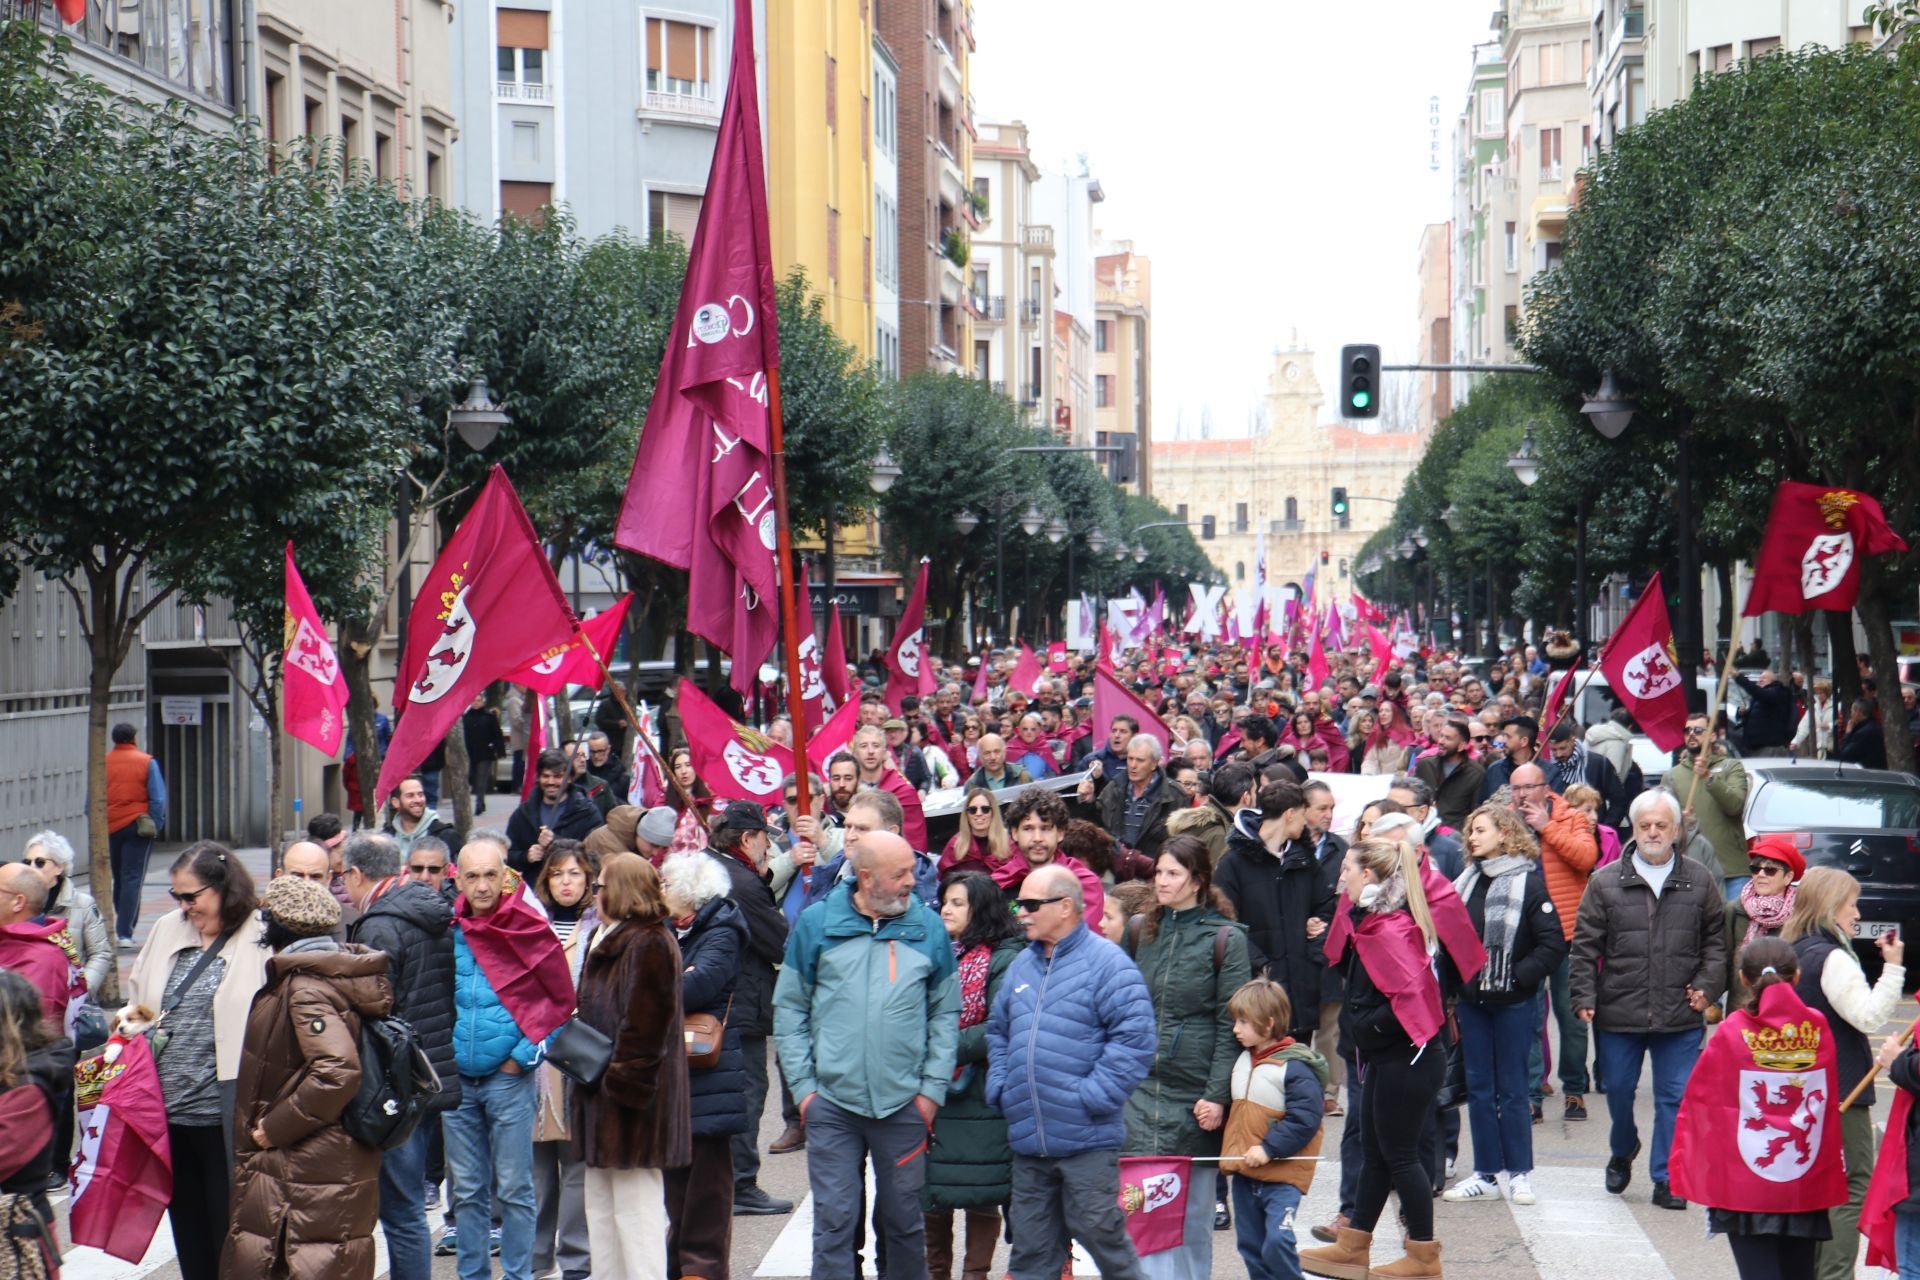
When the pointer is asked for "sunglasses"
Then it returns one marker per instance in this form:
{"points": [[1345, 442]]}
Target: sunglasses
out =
{"points": [[979, 808], [1031, 905], [427, 871], [793, 797], [39, 862], [1765, 869], [186, 899], [1695, 730]]}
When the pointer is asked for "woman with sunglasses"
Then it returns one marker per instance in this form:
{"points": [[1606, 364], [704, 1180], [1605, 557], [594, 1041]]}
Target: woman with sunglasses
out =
{"points": [[981, 844], [199, 971], [564, 887], [1763, 906], [51, 857]]}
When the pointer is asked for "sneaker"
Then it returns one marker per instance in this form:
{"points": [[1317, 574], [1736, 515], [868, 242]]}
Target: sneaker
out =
{"points": [[1222, 1220], [1576, 1108], [749, 1201], [1332, 1105], [433, 1195], [449, 1245], [1477, 1187], [493, 1242], [1519, 1189], [1450, 1164], [128, 944]]}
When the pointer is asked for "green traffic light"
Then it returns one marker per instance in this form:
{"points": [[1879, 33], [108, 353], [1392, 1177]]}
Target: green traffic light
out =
{"points": [[1361, 399]]}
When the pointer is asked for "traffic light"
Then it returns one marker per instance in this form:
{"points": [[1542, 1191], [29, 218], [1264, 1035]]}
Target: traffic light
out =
{"points": [[1360, 381], [1206, 528], [1341, 507]]}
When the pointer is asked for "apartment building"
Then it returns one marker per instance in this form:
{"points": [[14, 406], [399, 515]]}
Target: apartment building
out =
{"points": [[1486, 242], [1012, 267], [1123, 361], [1064, 200]]}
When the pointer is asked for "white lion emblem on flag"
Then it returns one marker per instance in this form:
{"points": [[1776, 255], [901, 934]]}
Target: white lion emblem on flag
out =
{"points": [[446, 661], [1782, 1117], [910, 654], [1825, 563], [812, 683], [1650, 673], [757, 773]]}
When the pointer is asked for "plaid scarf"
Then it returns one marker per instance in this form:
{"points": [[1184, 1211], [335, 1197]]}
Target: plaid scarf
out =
{"points": [[1502, 912], [1569, 771]]}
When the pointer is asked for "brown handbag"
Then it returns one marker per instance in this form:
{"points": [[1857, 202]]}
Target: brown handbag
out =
{"points": [[706, 1038]]}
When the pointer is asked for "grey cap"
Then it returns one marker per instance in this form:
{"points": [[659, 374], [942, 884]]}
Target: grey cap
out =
{"points": [[657, 826]]}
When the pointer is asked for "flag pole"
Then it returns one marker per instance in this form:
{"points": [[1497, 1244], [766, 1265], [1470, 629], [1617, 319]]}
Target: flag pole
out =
{"points": [[1574, 701], [790, 589], [633, 718], [1906, 1038], [1719, 695]]}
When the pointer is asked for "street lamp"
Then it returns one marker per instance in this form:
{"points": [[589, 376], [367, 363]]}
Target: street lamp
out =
{"points": [[1451, 517], [1419, 537], [885, 471], [1096, 542], [1056, 531], [1140, 554], [477, 419], [1525, 464], [1032, 520], [966, 522], [1607, 409]]}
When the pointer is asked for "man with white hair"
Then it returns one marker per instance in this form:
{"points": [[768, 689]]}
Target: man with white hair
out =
{"points": [[1135, 813], [1649, 953], [867, 1022]]}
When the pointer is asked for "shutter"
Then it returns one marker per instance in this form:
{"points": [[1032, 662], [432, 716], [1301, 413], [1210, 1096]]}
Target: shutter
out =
{"points": [[522, 29], [683, 215], [654, 26], [682, 62]]}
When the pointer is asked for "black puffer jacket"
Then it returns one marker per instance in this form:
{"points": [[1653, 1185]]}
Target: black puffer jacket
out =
{"points": [[766, 947], [711, 950], [1275, 897], [414, 926]]}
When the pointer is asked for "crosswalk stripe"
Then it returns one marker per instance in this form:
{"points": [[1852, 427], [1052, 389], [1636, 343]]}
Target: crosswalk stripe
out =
{"points": [[1575, 1210]]}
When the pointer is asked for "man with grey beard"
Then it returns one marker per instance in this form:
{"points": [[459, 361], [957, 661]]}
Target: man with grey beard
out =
{"points": [[866, 1021]]}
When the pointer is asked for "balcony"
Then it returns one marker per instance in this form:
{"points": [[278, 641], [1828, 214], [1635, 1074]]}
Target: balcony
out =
{"points": [[953, 281], [517, 91], [1031, 311], [966, 29], [1038, 239], [953, 183], [679, 106], [949, 74], [991, 308]]}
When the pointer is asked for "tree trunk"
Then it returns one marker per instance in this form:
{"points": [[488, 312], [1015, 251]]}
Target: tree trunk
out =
{"points": [[1886, 667], [1724, 624], [453, 779], [99, 691], [356, 666], [1800, 627], [1846, 664], [277, 810]]}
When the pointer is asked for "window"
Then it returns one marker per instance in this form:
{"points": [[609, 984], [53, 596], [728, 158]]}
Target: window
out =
{"points": [[680, 58], [1513, 246], [1239, 517], [1180, 512], [1552, 255], [886, 231], [187, 46], [833, 244], [1636, 95], [1239, 570], [383, 157], [833, 93], [1549, 153], [1553, 64], [1761, 48], [1493, 107], [436, 177], [1293, 512], [980, 283], [886, 349], [884, 105], [525, 200], [520, 58], [1586, 143], [671, 213], [1720, 57], [1824, 804], [1103, 335], [1512, 323], [1102, 390], [983, 196]]}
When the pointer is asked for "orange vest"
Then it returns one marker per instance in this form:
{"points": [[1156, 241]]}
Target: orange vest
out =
{"points": [[126, 784]]}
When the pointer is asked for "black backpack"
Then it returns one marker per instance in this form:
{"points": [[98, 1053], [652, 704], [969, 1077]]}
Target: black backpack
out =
{"points": [[397, 1085]]}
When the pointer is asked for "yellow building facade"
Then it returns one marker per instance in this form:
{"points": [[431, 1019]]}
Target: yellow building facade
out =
{"points": [[1281, 483], [819, 112]]}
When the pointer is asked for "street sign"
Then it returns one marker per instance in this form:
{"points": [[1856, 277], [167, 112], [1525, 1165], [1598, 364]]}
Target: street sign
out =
{"points": [[180, 711]]}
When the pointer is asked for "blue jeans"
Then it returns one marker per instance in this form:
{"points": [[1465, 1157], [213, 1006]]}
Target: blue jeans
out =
{"points": [[1733, 885], [1263, 1221], [1495, 1040], [403, 1208], [1906, 1243], [127, 853], [490, 1156], [1619, 1056]]}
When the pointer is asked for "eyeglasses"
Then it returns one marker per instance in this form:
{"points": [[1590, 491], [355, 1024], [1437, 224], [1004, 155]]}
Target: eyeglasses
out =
{"points": [[186, 899], [979, 808], [1031, 905], [39, 862], [1765, 869]]}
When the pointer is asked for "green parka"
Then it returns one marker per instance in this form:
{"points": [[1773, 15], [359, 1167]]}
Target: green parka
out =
{"points": [[1194, 1048], [970, 1165], [1719, 805]]}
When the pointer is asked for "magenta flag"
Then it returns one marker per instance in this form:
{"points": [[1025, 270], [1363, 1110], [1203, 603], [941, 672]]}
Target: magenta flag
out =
{"points": [[1153, 1195], [833, 667], [1026, 672], [539, 738], [907, 665], [700, 497], [1111, 698], [736, 763], [122, 1177], [833, 736], [813, 683], [1382, 652], [489, 606], [1317, 668], [571, 661], [313, 693], [980, 677]]}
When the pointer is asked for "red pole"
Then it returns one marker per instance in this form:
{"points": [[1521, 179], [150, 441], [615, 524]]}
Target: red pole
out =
{"points": [[790, 588]]}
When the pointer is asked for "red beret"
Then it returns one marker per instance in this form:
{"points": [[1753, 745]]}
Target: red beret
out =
{"points": [[1780, 848]]}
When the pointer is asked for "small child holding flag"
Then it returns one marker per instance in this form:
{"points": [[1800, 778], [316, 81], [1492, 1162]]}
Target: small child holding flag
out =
{"points": [[1273, 1123]]}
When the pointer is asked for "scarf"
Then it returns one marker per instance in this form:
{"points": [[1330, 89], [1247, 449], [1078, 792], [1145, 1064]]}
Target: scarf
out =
{"points": [[523, 961], [1508, 872], [1765, 915], [973, 966], [1564, 773]]}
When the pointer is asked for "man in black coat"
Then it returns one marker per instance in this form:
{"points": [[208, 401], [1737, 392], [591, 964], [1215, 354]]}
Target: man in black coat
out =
{"points": [[1277, 894], [557, 810], [1767, 728], [1864, 742], [741, 845], [1568, 761], [413, 925], [485, 744]]}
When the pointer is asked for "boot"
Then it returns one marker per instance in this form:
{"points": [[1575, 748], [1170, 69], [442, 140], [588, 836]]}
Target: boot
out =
{"points": [[1422, 1260], [940, 1245], [1344, 1259], [983, 1234], [792, 1138]]}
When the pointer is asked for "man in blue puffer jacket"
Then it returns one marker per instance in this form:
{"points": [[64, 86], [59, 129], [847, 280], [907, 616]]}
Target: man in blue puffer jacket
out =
{"points": [[1069, 1039]]}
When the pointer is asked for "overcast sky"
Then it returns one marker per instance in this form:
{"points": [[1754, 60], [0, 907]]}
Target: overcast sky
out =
{"points": [[1270, 156]]}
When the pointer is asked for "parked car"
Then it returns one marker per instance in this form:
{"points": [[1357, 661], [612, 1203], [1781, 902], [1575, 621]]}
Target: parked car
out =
{"points": [[1864, 821]]}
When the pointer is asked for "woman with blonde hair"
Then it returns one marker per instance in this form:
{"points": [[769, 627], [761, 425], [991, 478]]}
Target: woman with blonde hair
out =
{"points": [[981, 843], [1507, 901], [1361, 726], [1826, 907], [1391, 1016]]}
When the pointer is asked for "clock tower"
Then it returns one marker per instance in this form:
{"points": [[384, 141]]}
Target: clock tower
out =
{"points": [[1293, 397]]}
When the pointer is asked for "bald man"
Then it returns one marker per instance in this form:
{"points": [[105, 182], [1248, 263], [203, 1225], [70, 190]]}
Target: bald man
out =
{"points": [[995, 772], [27, 948], [309, 860], [870, 1061]]}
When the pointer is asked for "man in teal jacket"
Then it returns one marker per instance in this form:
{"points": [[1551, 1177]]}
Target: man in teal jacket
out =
{"points": [[866, 1019]]}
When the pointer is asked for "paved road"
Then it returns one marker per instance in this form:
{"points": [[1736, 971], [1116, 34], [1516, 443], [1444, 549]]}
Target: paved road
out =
{"points": [[1576, 1230]]}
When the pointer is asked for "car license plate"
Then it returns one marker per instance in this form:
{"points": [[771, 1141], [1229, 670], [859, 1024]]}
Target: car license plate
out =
{"points": [[1872, 928]]}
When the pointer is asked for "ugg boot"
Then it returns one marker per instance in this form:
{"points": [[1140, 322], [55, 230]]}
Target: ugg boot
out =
{"points": [[1422, 1260], [1345, 1259], [983, 1233], [940, 1245]]}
